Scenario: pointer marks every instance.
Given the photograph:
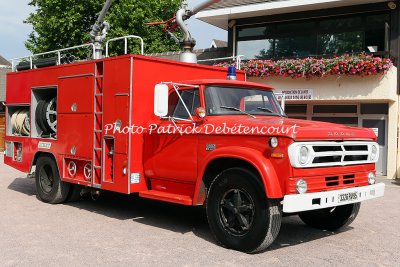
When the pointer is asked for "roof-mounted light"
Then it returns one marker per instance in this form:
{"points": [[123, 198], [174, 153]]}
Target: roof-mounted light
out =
{"points": [[231, 73]]}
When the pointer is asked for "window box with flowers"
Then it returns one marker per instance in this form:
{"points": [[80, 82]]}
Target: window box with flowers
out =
{"points": [[345, 65]]}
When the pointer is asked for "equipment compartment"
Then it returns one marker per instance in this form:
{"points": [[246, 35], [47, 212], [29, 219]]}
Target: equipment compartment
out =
{"points": [[44, 112]]}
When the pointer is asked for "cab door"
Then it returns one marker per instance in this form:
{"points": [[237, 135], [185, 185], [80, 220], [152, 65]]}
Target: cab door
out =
{"points": [[171, 152]]}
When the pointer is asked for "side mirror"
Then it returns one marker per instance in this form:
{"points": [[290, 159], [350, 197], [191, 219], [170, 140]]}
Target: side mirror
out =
{"points": [[161, 100]]}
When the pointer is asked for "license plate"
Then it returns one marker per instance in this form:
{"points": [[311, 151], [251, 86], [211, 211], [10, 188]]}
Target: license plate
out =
{"points": [[348, 197]]}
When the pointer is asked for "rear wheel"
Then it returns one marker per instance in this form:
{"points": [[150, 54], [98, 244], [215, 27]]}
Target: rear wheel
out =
{"points": [[239, 214], [49, 187], [331, 219]]}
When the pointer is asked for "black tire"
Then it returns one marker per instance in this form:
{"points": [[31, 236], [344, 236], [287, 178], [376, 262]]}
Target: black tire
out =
{"points": [[331, 219], [49, 187], [249, 225], [40, 115], [45, 123], [74, 193]]}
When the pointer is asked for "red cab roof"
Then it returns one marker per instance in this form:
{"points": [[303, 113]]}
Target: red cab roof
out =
{"points": [[228, 83]]}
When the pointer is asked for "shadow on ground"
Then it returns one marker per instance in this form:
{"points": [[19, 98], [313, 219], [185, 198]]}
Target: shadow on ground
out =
{"points": [[176, 218], [23, 185], [396, 182]]}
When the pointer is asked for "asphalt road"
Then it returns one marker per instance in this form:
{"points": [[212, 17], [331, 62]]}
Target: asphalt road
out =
{"points": [[119, 230]]}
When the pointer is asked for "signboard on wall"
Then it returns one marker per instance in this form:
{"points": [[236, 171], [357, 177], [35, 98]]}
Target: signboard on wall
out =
{"points": [[295, 94]]}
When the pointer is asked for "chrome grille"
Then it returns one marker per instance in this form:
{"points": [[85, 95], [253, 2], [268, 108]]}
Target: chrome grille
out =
{"points": [[323, 154]]}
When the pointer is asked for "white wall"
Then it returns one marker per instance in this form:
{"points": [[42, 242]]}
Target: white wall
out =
{"points": [[332, 88]]}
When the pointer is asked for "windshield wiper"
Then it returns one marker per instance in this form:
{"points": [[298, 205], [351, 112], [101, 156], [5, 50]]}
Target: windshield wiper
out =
{"points": [[270, 111], [236, 109], [265, 109]]}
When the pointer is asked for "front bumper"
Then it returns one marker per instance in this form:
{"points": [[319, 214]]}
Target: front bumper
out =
{"points": [[328, 199]]}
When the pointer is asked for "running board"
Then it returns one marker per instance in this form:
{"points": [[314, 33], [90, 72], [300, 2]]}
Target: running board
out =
{"points": [[167, 197]]}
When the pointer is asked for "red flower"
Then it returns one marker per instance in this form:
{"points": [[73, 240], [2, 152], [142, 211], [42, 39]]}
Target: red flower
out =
{"points": [[309, 68]]}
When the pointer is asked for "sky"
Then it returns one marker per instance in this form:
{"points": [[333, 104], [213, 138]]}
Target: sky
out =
{"points": [[13, 32]]}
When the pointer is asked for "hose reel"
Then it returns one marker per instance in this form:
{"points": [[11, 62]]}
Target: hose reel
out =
{"points": [[20, 122]]}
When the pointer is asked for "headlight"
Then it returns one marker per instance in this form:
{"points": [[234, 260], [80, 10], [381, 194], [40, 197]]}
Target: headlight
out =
{"points": [[301, 186], [304, 155], [374, 152], [371, 178], [273, 142]]}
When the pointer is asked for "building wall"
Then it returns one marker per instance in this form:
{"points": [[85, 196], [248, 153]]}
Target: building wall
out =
{"points": [[333, 88], [372, 89], [3, 71]]}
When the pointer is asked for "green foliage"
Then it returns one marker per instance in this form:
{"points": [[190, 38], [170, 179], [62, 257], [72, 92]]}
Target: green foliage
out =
{"points": [[65, 23]]}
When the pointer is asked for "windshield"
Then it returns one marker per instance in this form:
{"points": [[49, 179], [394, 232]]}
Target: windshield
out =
{"points": [[239, 101]]}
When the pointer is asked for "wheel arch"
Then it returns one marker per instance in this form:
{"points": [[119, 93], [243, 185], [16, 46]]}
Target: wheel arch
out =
{"points": [[249, 159], [41, 154]]}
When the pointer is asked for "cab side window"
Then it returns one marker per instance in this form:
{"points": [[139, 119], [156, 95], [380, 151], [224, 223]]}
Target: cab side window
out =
{"points": [[191, 99]]}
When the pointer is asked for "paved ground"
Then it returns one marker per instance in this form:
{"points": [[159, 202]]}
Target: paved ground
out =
{"points": [[118, 230]]}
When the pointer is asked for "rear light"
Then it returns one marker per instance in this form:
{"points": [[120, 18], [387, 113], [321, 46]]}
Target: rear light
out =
{"points": [[9, 149]]}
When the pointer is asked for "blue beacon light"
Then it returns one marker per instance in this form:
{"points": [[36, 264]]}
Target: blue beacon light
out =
{"points": [[231, 73]]}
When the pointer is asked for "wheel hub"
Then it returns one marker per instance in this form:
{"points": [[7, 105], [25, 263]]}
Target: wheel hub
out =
{"points": [[51, 115], [236, 211], [46, 179]]}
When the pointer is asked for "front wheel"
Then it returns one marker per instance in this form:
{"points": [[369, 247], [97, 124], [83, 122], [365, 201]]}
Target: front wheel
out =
{"points": [[49, 187], [331, 219], [239, 214]]}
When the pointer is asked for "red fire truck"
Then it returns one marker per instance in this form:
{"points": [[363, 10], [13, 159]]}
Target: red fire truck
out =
{"points": [[183, 133]]}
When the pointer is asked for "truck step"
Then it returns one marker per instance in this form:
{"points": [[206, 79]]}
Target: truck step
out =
{"points": [[168, 197]]}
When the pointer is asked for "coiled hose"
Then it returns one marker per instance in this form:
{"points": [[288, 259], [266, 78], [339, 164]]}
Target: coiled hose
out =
{"points": [[20, 122]]}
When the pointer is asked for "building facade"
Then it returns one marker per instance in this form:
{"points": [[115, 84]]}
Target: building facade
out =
{"points": [[288, 29], [5, 67]]}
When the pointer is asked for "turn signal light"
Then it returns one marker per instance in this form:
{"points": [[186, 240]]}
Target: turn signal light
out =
{"points": [[277, 155]]}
